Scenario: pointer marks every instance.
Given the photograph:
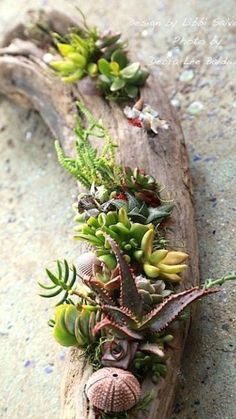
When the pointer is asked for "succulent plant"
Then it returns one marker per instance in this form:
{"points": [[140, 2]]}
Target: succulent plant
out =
{"points": [[128, 234], [149, 364], [126, 317], [89, 166], [62, 282], [140, 212], [103, 57], [151, 292], [143, 186], [161, 262], [78, 57], [118, 80], [74, 325]]}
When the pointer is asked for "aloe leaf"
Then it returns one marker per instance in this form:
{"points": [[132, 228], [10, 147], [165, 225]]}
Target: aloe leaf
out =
{"points": [[159, 213], [118, 329], [159, 318], [129, 295], [132, 201], [121, 315]]}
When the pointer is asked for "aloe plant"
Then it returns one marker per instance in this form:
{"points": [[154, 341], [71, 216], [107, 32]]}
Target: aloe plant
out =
{"points": [[127, 319]]}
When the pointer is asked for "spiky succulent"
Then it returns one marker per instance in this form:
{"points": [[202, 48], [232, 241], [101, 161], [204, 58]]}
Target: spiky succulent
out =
{"points": [[126, 317]]}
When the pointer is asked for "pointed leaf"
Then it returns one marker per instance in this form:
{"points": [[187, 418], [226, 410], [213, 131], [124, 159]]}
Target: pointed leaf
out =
{"points": [[121, 315], [119, 330], [159, 318], [130, 297]]}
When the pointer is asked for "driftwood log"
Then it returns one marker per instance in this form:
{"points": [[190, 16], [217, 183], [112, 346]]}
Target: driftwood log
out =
{"points": [[26, 79]]}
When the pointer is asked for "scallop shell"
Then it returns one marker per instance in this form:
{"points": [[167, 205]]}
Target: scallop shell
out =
{"points": [[86, 263], [113, 389]]}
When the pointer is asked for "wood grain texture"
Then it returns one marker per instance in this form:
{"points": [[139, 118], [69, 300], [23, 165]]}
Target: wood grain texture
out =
{"points": [[28, 81]]}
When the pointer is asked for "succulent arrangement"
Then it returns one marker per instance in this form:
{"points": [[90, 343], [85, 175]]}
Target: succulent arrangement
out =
{"points": [[119, 300], [103, 57]]}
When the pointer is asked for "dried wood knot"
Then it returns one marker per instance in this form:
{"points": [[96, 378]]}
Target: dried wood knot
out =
{"points": [[113, 389]]}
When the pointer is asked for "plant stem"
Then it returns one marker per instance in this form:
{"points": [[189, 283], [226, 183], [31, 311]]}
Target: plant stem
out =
{"points": [[209, 283], [83, 296]]}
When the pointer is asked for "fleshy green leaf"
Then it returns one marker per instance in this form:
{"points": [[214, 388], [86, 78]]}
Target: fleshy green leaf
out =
{"points": [[130, 71], [117, 84], [120, 57], [104, 67]]}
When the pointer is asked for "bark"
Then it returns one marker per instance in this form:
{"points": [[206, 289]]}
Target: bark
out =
{"points": [[27, 80]]}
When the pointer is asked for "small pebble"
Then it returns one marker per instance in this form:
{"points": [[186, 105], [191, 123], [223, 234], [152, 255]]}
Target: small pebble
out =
{"points": [[175, 103], [47, 58], [174, 53], [195, 108], [28, 135], [187, 76]]}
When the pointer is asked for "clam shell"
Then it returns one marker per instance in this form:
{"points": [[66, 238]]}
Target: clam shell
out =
{"points": [[113, 389], [86, 263]]}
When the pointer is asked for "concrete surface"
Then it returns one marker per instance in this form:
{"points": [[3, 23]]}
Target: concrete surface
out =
{"points": [[36, 197]]}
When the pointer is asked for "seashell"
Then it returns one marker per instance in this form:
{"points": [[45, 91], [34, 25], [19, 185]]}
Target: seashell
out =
{"points": [[86, 264], [113, 389]]}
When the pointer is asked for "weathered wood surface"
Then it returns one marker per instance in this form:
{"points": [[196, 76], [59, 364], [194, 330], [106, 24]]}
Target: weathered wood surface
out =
{"points": [[28, 81]]}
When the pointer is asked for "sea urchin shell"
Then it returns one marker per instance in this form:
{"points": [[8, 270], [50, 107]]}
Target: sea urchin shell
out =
{"points": [[86, 263], [113, 389]]}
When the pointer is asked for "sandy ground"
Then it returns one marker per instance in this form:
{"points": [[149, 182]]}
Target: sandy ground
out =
{"points": [[36, 196]]}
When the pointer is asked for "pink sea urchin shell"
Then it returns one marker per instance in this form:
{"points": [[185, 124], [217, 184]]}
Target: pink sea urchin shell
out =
{"points": [[113, 389]]}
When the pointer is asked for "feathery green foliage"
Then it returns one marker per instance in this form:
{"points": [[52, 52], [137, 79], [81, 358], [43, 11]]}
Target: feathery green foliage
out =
{"points": [[89, 165]]}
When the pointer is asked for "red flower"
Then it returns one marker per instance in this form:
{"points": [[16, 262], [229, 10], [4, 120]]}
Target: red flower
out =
{"points": [[135, 122], [121, 196]]}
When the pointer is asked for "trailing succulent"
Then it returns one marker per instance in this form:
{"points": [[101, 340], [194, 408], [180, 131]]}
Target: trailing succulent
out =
{"points": [[103, 57], [117, 303]]}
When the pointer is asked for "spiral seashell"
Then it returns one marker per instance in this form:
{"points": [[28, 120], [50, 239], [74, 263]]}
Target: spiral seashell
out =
{"points": [[86, 263], [113, 389]]}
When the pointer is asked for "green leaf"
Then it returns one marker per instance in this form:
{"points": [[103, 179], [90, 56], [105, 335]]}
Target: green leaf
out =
{"points": [[64, 67], [65, 49], [92, 69], [104, 67], [141, 77], [120, 57], [78, 59], [117, 84], [132, 91], [76, 76], [130, 71], [115, 68]]}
